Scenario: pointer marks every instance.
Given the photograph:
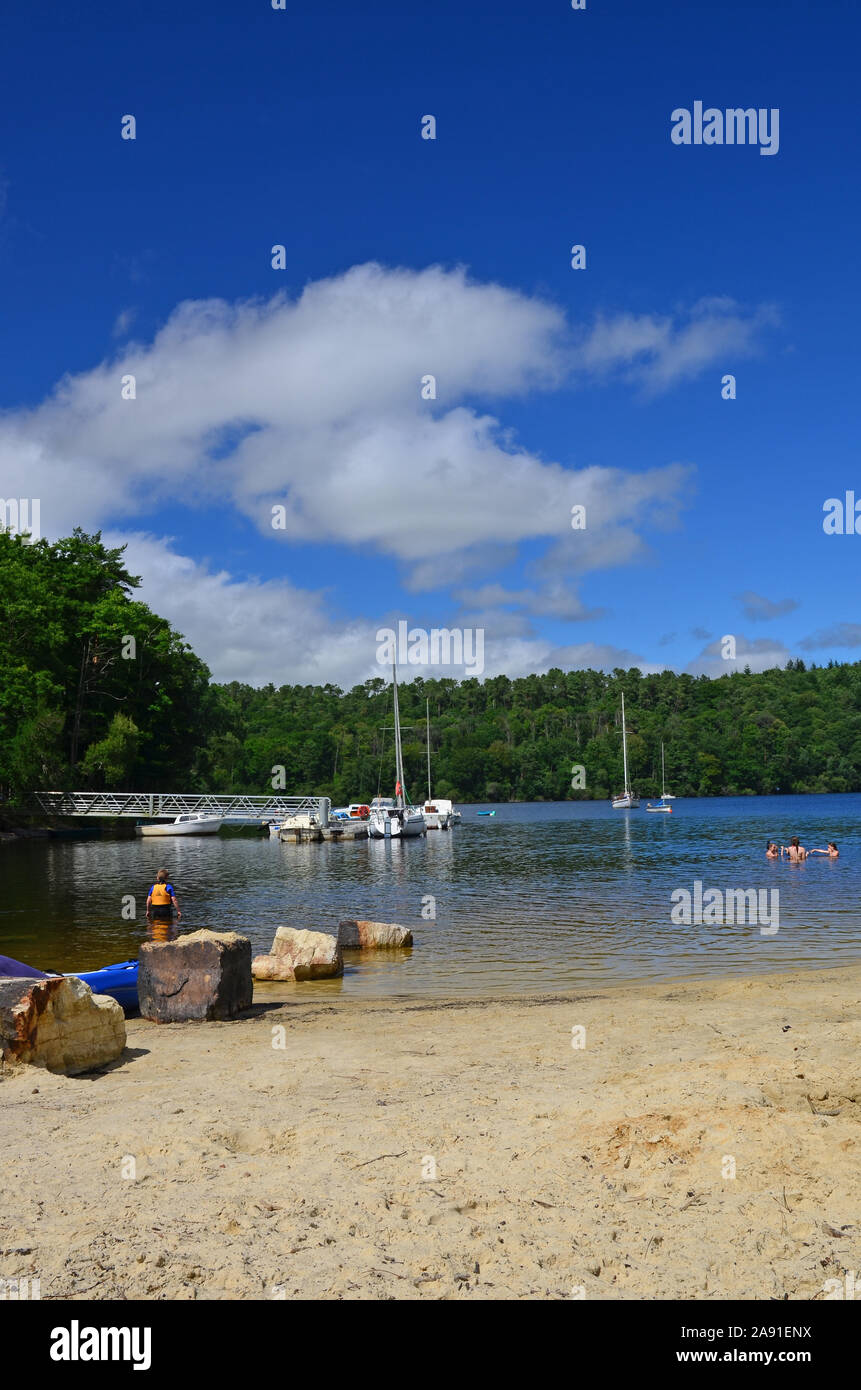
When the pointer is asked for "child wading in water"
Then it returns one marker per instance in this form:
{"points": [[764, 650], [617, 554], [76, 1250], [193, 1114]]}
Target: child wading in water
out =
{"points": [[162, 899]]}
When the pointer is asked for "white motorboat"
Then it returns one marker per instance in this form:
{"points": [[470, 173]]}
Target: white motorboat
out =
{"points": [[196, 823], [627, 801], [666, 797], [438, 812], [392, 817]]}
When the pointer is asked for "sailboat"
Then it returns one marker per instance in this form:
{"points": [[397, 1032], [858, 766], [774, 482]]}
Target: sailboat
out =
{"points": [[438, 812], [392, 817], [627, 801], [666, 798]]}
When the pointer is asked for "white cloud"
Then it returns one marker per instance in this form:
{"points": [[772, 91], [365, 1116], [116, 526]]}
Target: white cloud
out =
{"points": [[123, 322], [761, 654], [838, 635], [315, 404], [554, 601], [259, 631], [659, 351], [758, 609], [253, 631]]}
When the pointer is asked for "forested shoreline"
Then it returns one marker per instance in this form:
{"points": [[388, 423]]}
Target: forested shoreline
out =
{"points": [[83, 706]]}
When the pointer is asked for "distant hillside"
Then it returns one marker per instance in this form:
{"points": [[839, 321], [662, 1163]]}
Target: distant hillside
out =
{"points": [[793, 730], [82, 706]]}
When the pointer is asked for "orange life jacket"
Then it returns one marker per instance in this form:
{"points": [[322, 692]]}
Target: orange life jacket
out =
{"points": [[160, 896]]}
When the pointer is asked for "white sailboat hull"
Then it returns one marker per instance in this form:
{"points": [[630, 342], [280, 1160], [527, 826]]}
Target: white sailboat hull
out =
{"points": [[628, 801], [396, 825]]}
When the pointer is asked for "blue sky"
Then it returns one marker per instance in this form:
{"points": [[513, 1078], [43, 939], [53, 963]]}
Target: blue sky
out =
{"points": [[257, 127]]}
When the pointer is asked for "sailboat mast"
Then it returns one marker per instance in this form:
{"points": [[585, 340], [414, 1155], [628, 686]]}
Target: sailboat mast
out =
{"points": [[663, 775], [427, 713], [399, 761], [624, 746]]}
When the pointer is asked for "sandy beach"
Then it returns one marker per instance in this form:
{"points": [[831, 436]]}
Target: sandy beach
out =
{"points": [[454, 1150]]}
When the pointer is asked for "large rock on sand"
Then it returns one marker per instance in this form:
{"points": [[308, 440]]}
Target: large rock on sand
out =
{"points": [[300, 955], [58, 1023], [205, 975], [368, 935]]}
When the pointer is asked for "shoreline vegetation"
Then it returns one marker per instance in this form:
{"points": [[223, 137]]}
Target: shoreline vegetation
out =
{"points": [[99, 693], [701, 1141]]}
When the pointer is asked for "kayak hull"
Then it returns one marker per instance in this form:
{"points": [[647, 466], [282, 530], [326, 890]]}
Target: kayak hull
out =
{"points": [[119, 981]]}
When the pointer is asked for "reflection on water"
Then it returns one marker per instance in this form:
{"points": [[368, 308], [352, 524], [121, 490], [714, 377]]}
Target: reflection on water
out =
{"points": [[162, 928], [538, 897]]}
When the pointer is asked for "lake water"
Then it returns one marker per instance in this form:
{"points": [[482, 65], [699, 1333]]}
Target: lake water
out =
{"points": [[543, 897]]}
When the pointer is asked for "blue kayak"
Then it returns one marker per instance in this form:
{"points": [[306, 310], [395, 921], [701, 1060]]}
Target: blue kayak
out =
{"points": [[119, 981]]}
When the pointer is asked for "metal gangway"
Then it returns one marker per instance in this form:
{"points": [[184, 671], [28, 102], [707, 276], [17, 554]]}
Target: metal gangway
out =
{"points": [[169, 805]]}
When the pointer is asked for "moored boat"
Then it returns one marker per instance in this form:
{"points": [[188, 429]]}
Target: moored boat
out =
{"points": [[197, 823], [666, 797], [627, 801], [393, 817], [438, 813], [438, 810]]}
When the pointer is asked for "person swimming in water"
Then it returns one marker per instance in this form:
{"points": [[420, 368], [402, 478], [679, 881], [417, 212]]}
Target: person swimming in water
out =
{"points": [[771, 850], [796, 851], [832, 851]]}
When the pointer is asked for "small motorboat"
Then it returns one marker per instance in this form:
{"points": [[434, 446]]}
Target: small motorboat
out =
{"points": [[198, 823], [438, 813], [485, 813]]}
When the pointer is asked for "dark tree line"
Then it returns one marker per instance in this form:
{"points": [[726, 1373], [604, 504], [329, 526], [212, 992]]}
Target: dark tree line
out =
{"points": [[97, 691]]}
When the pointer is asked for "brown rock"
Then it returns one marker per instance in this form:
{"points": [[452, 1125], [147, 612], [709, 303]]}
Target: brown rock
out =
{"points": [[58, 1023], [300, 955], [369, 935], [205, 975]]}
